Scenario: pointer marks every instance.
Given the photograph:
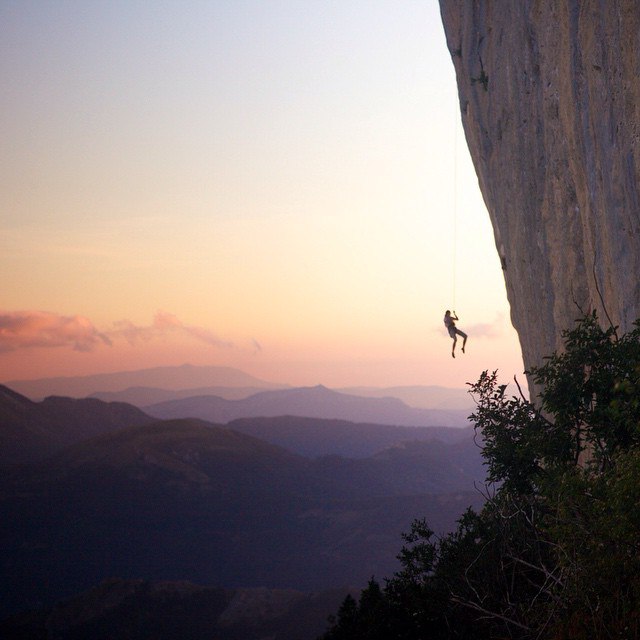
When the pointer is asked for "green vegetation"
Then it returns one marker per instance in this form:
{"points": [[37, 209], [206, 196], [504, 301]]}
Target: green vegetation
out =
{"points": [[555, 551]]}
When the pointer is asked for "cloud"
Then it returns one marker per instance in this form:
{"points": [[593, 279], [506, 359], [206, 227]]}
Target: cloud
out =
{"points": [[24, 329], [31, 329], [163, 324], [484, 329], [489, 330]]}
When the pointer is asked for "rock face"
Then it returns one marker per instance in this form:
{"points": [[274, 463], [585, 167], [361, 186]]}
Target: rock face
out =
{"points": [[550, 101]]}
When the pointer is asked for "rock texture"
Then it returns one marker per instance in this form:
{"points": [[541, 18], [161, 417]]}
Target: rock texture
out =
{"points": [[550, 102]]}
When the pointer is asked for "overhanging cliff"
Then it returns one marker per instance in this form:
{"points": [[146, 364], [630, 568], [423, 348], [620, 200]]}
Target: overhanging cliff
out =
{"points": [[550, 102]]}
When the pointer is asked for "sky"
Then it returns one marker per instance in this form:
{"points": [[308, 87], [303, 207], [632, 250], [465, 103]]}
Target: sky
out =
{"points": [[280, 186]]}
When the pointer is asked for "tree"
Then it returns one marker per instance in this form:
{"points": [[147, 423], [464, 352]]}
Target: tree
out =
{"points": [[555, 551], [368, 619]]}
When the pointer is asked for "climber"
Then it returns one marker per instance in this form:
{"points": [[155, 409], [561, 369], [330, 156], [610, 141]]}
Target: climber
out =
{"points": [[454, 332]]}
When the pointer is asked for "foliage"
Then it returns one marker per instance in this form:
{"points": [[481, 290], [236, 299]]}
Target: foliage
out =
{"points": [[591, 389], [519, 444], [371, 618], [555, 551], [595, 523]]}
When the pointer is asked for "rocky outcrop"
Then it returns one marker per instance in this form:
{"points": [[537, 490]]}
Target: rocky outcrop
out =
{"points": [[550, 102]]}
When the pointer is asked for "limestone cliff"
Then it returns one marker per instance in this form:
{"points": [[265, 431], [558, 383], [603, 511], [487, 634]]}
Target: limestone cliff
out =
{"points": [[550, 101]]}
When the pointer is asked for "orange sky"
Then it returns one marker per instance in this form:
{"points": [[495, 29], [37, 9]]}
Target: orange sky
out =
{"points": [[282, 187]]}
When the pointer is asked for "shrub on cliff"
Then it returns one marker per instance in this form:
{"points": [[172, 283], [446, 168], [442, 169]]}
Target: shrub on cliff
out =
{"points": [[555, 551]]}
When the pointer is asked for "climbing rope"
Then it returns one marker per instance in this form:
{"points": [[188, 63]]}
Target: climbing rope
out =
{"points": [[455, 207]]}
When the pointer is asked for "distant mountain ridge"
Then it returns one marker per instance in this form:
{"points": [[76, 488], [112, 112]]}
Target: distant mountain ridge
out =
{"points": [[144, 387], [314, 402], [182, 377], [419, 396], [145, 396]]}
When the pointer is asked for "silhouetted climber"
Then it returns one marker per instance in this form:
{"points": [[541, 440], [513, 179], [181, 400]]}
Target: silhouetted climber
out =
{"points": [[454, 332]]}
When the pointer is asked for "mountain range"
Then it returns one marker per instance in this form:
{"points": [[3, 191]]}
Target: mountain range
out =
{"points": [[189, 500], [419, 396], [314, 402], [186, 376], [145, 396], [144, 387]]}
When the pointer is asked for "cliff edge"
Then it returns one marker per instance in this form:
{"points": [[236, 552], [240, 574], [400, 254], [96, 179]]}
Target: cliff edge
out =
{"points": [[550, 102]]}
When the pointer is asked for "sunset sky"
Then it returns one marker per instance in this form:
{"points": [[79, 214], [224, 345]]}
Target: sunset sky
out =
{"points": [[264, 184]]}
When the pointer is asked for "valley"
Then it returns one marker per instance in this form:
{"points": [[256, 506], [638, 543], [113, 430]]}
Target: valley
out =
{"points": [[96, 490]]}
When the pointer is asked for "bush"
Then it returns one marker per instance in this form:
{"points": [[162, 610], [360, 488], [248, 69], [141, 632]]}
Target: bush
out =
{"points": [[555, 551]]}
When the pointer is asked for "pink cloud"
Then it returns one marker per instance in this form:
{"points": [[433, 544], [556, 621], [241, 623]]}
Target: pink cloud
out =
{"points": [[24, 329], [30, 329], [484, 329], [481, 329], [163, 324]]}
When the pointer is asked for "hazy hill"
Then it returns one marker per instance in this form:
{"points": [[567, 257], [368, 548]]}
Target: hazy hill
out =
{"points": [[410, 468], [145, 396], [313, 437], [186, 376], [32, 430], [181, 453], [420, 396], [315, 402], [186, 500], [423, 397], [179, 611], [24, 430]]}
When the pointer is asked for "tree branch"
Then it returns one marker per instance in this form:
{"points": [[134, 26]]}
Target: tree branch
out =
{"points": [[491, 614]]}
